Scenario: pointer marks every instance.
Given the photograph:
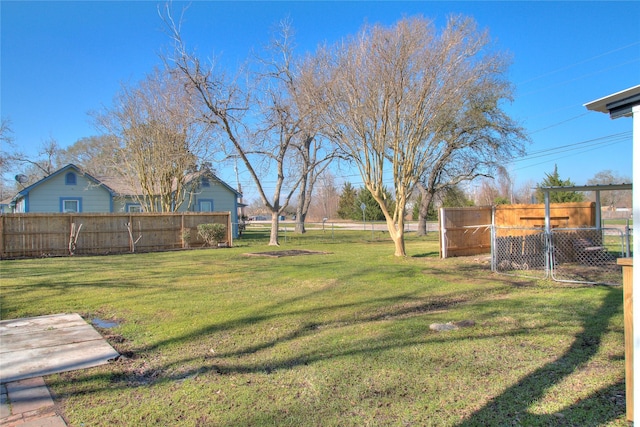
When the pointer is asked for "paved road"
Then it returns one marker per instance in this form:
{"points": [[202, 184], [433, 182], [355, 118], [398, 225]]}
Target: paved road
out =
{"points": [[377, 226]]}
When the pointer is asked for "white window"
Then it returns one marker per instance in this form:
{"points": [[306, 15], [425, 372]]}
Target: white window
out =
{"points": [[70, 205]]}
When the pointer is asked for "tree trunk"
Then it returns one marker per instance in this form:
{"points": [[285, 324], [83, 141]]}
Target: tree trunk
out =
{"points": [[275, 224], [397, 235], [422, 226], [302, 197], [398, 241], [396, 231], [425, 202], [300, 218]]}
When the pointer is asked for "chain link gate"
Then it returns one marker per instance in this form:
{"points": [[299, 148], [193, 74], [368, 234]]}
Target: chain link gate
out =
{"points": [[587, 255], [520, 252], [574, 255]]}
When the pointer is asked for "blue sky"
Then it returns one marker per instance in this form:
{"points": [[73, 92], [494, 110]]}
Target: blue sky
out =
{"points": [[60, 60]]}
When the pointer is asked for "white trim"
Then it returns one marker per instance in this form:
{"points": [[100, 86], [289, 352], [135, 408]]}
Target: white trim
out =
{"points": [[635, 302], [600, 105]]}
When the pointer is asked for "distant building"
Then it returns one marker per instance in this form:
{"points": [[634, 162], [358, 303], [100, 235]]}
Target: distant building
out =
{"points": [[69, 189]]}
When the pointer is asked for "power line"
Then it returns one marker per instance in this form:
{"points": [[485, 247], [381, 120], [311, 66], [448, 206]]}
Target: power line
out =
{"points": [[580, 77], [559, 123], [566, 67], [569, 155], [567, 147], [575, 148], [558, 158]]}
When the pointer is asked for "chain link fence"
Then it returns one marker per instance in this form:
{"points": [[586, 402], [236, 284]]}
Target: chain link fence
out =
{"points": [[520, 252], [574, 255], [587, 255]]}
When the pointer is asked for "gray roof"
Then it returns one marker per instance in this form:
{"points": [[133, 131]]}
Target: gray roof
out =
{"points": [[618, 104], [130, 187], [118, 185]]}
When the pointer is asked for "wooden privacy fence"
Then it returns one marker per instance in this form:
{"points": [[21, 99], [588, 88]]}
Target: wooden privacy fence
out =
{"points": [[31, 235], [467, 231], [562, 215]]}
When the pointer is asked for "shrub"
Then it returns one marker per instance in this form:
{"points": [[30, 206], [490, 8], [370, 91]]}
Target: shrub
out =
{"points": [[212, 233], [186, 237]]}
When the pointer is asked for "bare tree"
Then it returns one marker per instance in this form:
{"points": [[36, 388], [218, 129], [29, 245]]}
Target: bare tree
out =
{"points": [[525, 192], [161, 139], [387, 95], [32, 167], [6, 143], [288, 121], [6, 138], [477, 137], [94, 154], [611, 198], [266, 125], [312, 166], [35, 167], [326, 198], [495, 190]]}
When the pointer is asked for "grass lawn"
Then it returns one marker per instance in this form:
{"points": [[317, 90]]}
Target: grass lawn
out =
{"points": [[217, 338], [608, 222]]}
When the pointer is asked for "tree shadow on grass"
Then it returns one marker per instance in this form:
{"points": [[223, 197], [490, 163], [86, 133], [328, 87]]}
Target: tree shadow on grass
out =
{"points": [[510, 407], [432, 254], [224, 362], [513, 404]]}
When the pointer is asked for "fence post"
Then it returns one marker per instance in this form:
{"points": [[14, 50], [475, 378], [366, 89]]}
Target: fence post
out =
{"points": [[182, 230], [229, 231], [493, 238], [2, 217], [442, 221], [627, 239], [130, 230], [627, 283]]}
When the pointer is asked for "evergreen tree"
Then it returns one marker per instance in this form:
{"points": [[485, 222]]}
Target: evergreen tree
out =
{"points": [[372, 211], [454, 197], [347, 207], [554, 180]]}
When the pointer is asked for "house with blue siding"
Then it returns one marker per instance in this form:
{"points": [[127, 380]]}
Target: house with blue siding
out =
{"points": [[69, 189], [66, 190]]}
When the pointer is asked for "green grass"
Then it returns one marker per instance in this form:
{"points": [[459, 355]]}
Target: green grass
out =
{"points": [[609, 222], [215, 338]]}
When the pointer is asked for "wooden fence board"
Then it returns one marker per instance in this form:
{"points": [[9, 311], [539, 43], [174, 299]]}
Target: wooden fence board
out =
{"points": [[465, 231], [37, 235]]}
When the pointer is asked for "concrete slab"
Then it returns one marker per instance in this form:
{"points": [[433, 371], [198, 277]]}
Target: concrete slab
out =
{"points": [[5, 410], [50, 421], [29, 404], [37, 346], [29, 395]]}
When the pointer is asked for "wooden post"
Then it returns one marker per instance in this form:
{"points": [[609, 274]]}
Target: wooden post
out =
{"points": [[229, 231], [2, 236], [182, 231], [627, 283]]}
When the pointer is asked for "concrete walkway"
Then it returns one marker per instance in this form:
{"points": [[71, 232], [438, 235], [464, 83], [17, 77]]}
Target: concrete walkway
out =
{"points": [[33, 347], [27, 403], [44, 345]]}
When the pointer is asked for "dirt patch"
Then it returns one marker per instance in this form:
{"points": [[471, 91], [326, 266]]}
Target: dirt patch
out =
{"points": [[290, 252]]}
